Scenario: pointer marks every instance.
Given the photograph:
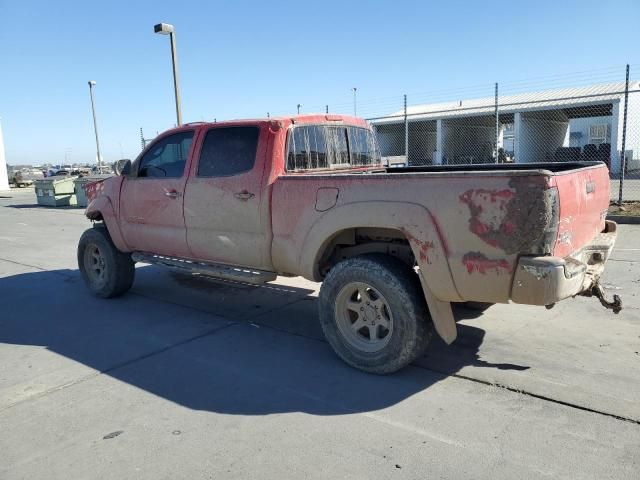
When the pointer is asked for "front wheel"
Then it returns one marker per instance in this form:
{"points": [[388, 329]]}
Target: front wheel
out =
{"points": [[107, 271], [373, 313]]}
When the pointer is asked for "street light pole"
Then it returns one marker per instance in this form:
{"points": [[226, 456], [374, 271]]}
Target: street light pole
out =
{"points": [[92, 84], [355, 108], [299, 109], [168, 29]]}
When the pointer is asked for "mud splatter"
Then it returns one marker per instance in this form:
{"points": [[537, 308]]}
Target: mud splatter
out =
{"points": [[478, 262], [423, 246], [514, 219]]}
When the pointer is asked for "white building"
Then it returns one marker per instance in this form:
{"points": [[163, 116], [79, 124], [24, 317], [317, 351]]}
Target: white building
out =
{"points": [[551, 125], [4, 180]]}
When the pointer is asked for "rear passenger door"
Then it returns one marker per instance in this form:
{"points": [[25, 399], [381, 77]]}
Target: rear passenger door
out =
{"points": [[151, 200], [225, 209]]}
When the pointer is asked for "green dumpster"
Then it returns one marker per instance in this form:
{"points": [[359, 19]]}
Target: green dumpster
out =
{"points": [[80, 184], [55, 191]]}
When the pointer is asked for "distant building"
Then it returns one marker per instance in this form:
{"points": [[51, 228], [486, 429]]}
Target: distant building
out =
{"points": [[552, 125], [4, 179]]}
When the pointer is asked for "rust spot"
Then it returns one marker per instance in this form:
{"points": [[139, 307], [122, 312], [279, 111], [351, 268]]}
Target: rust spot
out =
{"points": [[478, 262]]}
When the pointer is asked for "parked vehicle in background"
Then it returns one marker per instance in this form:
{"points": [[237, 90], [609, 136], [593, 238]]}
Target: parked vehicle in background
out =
{"points": [[25, 177], [102, 170], [394, 247]]}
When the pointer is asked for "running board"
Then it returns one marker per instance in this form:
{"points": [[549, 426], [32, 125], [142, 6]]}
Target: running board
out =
{"points": [[225, 272]]}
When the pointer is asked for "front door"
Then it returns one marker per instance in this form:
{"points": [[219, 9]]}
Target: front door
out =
{"points": [[226, 213], [151, 201]]}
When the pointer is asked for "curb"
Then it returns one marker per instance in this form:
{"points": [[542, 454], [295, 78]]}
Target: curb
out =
{"points": [[625, 219]]}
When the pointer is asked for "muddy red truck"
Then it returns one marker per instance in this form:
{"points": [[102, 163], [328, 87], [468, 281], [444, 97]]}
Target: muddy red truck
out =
{"points": [[394, 248]]}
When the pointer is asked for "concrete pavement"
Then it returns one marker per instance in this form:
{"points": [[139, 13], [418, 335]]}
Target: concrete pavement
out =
{"points": [[187, 377]]}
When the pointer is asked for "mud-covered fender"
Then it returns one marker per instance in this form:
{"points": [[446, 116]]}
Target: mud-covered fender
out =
{"points": [[101, 206], [421, 229]]}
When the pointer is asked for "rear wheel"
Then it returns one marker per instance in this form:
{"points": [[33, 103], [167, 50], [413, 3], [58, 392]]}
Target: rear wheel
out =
{"points": [[107, 271], [373, 313]]}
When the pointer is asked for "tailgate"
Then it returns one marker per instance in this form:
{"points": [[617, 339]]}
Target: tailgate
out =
{"points": [[584, 200]]}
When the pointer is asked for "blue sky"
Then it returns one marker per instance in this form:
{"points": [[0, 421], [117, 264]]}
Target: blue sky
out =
{"points": [[245, 58]]}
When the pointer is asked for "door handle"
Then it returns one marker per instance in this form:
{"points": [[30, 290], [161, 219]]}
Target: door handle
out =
{"points": [[172, 194], [244, 195]]}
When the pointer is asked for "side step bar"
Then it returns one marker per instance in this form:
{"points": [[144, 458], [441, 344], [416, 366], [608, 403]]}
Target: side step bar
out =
{"points": [[225, 272]]}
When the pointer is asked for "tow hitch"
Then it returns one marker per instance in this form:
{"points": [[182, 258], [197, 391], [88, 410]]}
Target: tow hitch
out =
{"points": [[597, 291]]}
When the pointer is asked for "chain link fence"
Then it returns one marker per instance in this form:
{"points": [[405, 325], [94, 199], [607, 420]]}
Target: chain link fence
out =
{"points": [[590, 116]]}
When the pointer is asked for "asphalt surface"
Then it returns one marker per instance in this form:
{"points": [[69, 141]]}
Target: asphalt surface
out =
{"points": [[191, 378]]}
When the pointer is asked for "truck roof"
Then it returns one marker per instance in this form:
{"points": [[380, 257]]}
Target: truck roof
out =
{"points": [[292, 119]]}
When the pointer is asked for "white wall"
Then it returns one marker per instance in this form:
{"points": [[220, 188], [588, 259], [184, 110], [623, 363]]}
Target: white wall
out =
{"points": [[581, 125], [390, 139], [4, 181], [468, 140], [538, 137], [422, 142], [633, 130]]}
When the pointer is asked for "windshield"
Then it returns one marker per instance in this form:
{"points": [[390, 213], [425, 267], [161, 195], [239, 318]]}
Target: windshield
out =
{"points": [[314, 147]]}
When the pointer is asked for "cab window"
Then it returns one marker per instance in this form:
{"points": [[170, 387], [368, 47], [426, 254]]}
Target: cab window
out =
{"points": [[168, 157], [228, 151]]}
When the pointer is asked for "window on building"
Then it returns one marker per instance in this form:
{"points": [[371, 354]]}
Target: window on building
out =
{"points": [[228, 151], [599, 133], [315, 147], [167, 158]]}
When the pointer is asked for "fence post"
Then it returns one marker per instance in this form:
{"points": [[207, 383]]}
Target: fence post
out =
{"points": [[497, 125], [406, 132], [623, 160]]}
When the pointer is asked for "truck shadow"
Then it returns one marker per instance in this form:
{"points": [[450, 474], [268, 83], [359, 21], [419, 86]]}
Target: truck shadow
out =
{"points": [[211, 346]]}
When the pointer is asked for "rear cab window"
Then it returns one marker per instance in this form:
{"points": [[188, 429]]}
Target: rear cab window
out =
{"points": [[228, 151], [330, 147]]}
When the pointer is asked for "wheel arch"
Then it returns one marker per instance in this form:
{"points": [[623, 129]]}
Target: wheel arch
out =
{"points": [[101, 209], [412, 224]]}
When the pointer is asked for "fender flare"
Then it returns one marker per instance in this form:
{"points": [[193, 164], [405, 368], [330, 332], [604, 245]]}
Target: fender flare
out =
{"points": [[418, 225], [102, 206]]}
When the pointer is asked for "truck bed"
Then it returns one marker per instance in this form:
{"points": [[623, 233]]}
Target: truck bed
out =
{"points": [[483, 217]]}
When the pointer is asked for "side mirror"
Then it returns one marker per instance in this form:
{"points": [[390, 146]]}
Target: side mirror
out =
{"points": [[123, 167]]}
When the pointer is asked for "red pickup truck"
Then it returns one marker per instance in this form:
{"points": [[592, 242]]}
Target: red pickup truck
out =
{"points": [[394, 247]]}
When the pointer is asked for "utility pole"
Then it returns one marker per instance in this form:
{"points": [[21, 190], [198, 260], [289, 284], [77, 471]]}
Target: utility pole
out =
{"points": [[355, 103], [497, 125], [92, 84], [168, 29]]}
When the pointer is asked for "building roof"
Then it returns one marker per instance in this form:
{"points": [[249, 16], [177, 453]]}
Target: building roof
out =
{"points": [[542, 100]]}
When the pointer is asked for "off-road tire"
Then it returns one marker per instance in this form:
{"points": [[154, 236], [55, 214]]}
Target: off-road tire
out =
{"points": [[400, 286], [119, 269]]}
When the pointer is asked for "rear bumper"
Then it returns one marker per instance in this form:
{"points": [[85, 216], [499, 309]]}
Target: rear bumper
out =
{"points": [[546, 280]]}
